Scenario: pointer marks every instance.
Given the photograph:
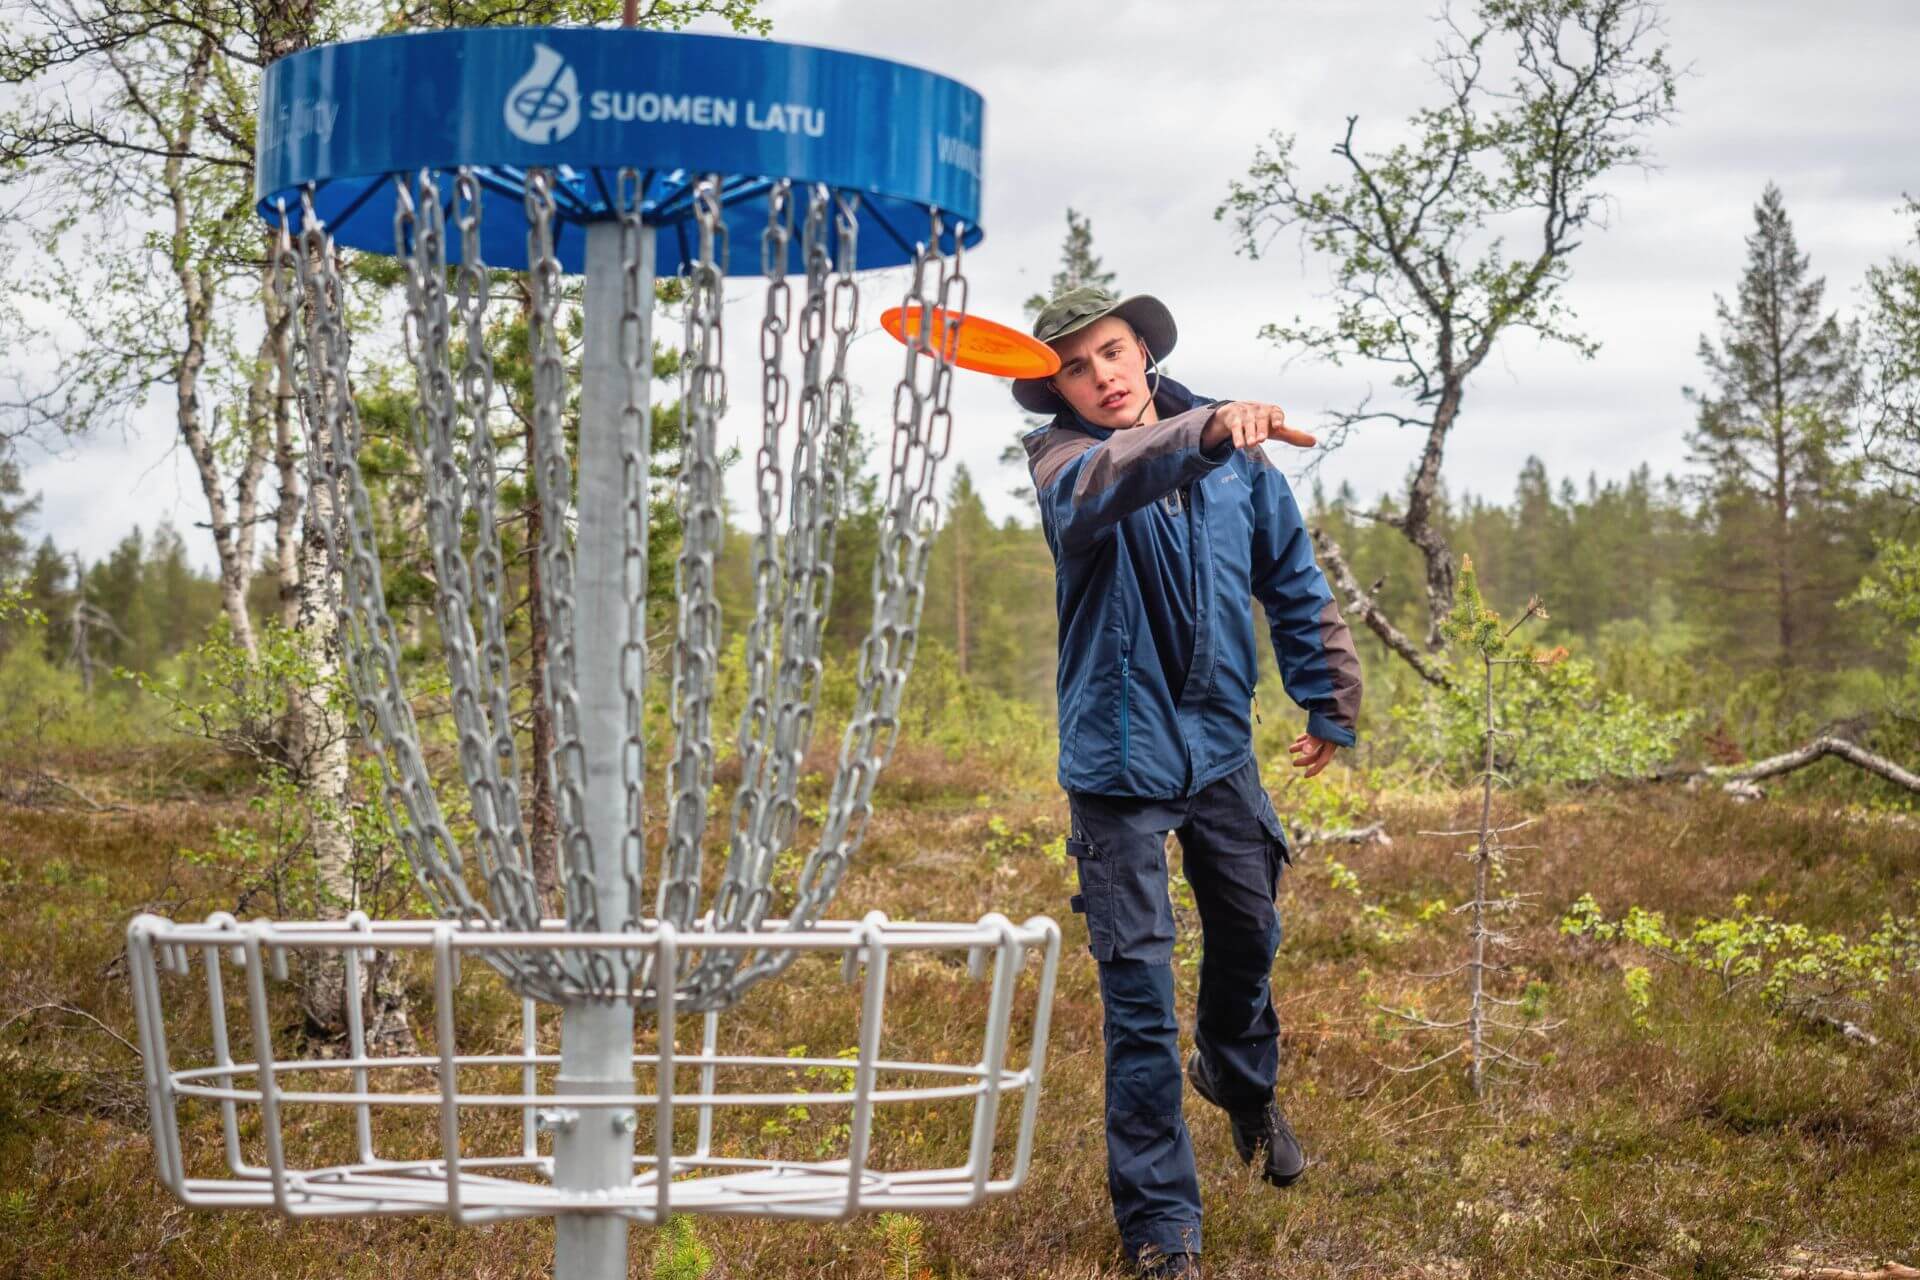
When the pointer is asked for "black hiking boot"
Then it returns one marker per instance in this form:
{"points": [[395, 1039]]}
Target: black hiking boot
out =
{"points": [[1258, 1130], [1155, 1265]]}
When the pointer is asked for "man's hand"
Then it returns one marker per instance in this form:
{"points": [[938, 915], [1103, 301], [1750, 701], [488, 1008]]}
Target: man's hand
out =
{"points": [[1311, 753], [1248, 424]]}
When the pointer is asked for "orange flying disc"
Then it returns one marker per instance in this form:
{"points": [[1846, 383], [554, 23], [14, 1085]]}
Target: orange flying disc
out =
{"points": [[984, 346]]}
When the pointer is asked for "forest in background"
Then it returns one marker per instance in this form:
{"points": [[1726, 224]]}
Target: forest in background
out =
{"points": [[1689, 594]]}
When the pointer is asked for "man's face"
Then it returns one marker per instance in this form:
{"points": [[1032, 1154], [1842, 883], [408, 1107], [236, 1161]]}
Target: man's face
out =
{"points": [[1103, 373]]}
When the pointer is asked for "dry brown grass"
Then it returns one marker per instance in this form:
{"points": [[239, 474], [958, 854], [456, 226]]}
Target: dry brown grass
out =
{"points": [[1717, 1141]]}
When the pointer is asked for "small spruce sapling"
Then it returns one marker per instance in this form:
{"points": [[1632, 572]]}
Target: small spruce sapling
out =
{"points": [[1491, 1031]]}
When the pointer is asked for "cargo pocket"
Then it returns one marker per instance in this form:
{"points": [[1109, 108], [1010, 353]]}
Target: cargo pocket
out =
{"points": [[1095, 899], [1279, 855]]}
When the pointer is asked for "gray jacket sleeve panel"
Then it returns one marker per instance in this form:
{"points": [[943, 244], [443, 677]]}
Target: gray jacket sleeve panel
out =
{"points": [[1311, 641], [1086, 486]]}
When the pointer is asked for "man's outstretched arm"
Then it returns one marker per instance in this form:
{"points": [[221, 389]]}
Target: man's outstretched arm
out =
{"points": [[1086, 486]]}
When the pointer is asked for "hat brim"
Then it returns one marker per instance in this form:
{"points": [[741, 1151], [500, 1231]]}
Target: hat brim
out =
{"points": [[1148, 316]]}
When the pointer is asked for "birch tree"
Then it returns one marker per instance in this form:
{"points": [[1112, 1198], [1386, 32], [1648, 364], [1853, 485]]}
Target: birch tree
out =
{"points": [[1462, 233]]}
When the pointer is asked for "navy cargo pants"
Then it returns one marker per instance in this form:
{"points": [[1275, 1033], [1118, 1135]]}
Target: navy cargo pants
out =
{"points": [[1233, 847]]}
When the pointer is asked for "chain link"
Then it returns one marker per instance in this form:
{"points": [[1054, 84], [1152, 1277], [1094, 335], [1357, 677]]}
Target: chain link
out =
{"points": [[477, 694], [517, 897], [636, 452], [695, 659], [756, 716], [818, 468], [340, 513], [554, 473]]}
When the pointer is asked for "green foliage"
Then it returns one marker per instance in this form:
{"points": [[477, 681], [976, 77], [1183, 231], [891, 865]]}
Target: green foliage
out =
{"points": [[1574, 730], [903, 1240], [266, 864], [1637, 982], [43, 707], [1791, 965], [1415, 231], [18, 613], [1891, 347], [1892, 587], [964, 718], [1333, 801], [241, 701], [678, 1251]]}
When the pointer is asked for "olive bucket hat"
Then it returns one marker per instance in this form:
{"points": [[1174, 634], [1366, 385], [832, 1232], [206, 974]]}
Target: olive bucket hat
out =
{"points": [[1075, 309]]}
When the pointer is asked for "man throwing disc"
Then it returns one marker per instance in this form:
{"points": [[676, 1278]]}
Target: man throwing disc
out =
{"points": [[1166, 520]]}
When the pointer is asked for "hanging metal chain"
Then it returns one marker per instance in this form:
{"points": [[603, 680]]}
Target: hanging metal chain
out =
{"points": [[554, 474], [756, 715], [478, 702], [792, 567], [339, 508], [922, 434], [516, 895], [695, 659], [636, 455], [818, 490]]}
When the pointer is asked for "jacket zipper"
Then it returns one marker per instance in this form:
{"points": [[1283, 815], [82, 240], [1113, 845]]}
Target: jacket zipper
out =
{"points": [[1126, 697]]}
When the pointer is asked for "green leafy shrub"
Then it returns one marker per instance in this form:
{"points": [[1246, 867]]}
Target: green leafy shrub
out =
{"points": [[1576, 731], [1791, 966]]}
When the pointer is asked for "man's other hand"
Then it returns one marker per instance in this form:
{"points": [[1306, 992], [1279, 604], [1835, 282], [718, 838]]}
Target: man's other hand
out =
{"points": [[1311, 753], [1248, 424]]}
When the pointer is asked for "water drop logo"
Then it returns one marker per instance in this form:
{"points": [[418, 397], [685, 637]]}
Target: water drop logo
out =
{"points": [[544, 104]]}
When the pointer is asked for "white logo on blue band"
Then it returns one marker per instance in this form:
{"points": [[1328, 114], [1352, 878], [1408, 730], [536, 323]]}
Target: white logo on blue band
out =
{"points": [[544, 104]]}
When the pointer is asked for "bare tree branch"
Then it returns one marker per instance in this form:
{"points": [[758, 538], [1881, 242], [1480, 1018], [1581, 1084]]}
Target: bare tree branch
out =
{"points": [[1360, 604]]}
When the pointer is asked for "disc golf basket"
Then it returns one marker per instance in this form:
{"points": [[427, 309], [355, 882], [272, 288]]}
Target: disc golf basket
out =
{"points": [[622, 156]]}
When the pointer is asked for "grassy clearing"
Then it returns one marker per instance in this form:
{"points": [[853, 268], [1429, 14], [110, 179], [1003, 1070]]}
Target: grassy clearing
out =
{"points": [[1689, 1134]]}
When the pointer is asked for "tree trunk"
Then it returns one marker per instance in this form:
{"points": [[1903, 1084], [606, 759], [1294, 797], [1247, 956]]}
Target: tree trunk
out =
{"points": [[1482, 865], [286, 462], [1782, 547], [319, 754], [1359, 604], [1799, 758], [232, 531], [960, 594], [317, 741], [1417, 524]]}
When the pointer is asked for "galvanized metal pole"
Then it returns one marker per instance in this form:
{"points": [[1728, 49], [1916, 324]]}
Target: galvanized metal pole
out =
{"points": [[593, 1147]]}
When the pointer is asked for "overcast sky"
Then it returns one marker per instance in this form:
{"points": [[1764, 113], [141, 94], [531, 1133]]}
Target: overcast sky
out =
{"points": [[1139, 114]]}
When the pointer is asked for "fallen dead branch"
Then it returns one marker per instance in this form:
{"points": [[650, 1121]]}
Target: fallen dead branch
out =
{"points": [[1742, 779], [1372, 833], [34, 784]]}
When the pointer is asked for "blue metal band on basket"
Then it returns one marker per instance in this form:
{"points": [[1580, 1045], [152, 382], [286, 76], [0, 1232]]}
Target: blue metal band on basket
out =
{"points": [[585, 103]]}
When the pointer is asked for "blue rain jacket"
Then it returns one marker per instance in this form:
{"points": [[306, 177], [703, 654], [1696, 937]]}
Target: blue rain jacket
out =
{"points": [[1159, 550]]}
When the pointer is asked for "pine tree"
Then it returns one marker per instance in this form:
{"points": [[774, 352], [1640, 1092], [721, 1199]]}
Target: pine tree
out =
{"points": [[1893, 361], [1769, 434], [15, 510], [1079, 265], [49, 592]]}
